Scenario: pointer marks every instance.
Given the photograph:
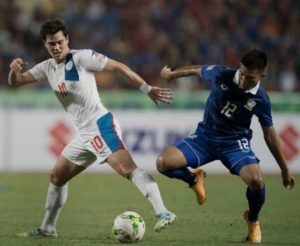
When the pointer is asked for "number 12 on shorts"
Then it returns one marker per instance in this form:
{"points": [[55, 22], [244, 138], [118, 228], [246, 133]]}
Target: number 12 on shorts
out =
{"points": [[244, 144]]}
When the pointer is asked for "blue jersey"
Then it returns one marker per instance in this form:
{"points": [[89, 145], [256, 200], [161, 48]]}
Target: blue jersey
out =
{"points": [[229, 109]]}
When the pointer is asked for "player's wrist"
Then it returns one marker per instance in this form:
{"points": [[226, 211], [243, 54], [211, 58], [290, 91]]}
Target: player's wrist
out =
{"points": [[145, 88]]}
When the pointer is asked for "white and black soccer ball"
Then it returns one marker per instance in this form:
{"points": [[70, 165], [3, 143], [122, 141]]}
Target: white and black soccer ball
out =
{"points": [[129, 227]]}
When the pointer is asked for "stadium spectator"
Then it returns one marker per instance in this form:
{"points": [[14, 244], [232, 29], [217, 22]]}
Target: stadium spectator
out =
{"points": [[155, 32]]}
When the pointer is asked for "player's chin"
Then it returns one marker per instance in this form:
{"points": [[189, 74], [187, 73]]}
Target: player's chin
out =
{"points": [[57, 55]]}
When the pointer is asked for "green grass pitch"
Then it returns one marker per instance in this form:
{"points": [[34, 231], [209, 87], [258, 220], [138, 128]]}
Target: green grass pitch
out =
{"points": [[95, 199]]}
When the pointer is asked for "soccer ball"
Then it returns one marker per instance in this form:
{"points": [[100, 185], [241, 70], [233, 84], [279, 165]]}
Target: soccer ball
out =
{"points": [[129, 227]]}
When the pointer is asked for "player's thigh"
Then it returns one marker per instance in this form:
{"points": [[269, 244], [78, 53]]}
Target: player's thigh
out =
{"points": [[170, 158], [235, 154], [74, 159], [64, 170], [193, 151], [122, 162]]}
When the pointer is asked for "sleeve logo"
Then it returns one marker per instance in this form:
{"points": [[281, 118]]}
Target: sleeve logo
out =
{"points": [[210, 67]]}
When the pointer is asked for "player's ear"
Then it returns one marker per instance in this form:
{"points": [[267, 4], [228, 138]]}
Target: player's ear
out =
{"points": [[263, 74]]}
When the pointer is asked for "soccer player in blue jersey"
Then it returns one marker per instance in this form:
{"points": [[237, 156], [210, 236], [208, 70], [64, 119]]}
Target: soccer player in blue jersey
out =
{"points": [[224, 133]]}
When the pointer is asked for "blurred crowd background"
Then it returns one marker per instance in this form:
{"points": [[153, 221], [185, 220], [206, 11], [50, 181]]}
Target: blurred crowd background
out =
{"points": [[147, 34]]}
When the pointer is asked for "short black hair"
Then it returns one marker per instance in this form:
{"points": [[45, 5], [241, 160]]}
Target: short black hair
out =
{"points": [[255, 59], [52, 26]]}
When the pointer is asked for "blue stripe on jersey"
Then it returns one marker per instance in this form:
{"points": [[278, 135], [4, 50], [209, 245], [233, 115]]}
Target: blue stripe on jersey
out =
{"points": [[71, 73], [108, 132]]}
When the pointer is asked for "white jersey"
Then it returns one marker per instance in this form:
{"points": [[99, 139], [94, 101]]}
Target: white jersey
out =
{"points": [[74, 84]]}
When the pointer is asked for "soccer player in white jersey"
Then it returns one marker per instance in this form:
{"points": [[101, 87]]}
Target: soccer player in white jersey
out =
{"points": [[71, 75]]}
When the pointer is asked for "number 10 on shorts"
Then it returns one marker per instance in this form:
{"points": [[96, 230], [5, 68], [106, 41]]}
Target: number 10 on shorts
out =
{"points": [[97, 143]]}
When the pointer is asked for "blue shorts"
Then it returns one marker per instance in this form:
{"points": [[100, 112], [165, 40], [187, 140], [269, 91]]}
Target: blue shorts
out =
{"points": [[202, 147]]}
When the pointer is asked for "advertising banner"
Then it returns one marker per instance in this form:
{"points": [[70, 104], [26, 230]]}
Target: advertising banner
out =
{"points": [[31, 139]]}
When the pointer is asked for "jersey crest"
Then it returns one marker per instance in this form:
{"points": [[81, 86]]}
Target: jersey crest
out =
{"points": [[250, 104], [69, 65], [224, 87]]}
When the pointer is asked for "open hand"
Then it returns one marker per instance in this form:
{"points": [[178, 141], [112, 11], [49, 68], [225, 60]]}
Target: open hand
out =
{"points": [[158, 94]]}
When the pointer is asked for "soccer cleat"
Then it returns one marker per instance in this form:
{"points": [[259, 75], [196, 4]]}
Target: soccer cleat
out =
{"points": [[38, 233], [198, 187], [164, 219], [254, 232]]}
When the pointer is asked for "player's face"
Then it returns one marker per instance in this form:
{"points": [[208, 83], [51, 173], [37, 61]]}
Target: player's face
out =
{"points": [[57, 45], [249, 78]]}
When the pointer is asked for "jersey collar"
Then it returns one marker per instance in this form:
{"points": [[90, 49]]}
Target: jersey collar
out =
{"points": [[236, 77]]}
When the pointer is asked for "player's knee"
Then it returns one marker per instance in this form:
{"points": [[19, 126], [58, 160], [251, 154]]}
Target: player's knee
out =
{"points": [[257, 183], [56, 179], [160, 164], [126, 171], [126, 174]]}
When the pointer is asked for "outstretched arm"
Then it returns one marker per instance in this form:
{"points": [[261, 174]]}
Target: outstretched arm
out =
{"points": [[157, 94], [16, 77], [273, 142], [167, 74]]}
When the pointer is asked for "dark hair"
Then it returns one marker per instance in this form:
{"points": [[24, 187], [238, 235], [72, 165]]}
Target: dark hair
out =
{"points": [[52, 26], [255, 59]]}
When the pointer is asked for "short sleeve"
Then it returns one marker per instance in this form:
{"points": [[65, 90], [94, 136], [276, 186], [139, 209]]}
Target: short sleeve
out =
{"points": [[210, 72], [91, 60], [264, 114], [39, 71]]}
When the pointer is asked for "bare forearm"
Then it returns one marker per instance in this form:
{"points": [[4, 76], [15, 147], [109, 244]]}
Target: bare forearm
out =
{"points": [[273, 142], [186, 71], [16, 77], [274, 146], [133, 77], [13, 78]]}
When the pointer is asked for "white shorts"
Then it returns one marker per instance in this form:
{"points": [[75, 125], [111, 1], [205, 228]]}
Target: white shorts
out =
{"points": [[96, 142]]}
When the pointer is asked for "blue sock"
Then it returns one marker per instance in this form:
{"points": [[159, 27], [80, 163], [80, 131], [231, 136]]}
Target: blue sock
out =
{"points": [[256, 199], [181, 173]]}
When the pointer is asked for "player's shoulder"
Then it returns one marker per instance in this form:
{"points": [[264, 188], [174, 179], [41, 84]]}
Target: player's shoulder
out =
{"points": [[75, 54], [214, 67], [218, 69], [83, 52], [261, 97], [46, 64], [226, 73], [80, 52], [84, 55], [262, 92]]}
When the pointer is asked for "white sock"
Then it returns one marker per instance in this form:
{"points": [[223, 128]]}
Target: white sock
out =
{"points": [[147, 185], [56, 198]]}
